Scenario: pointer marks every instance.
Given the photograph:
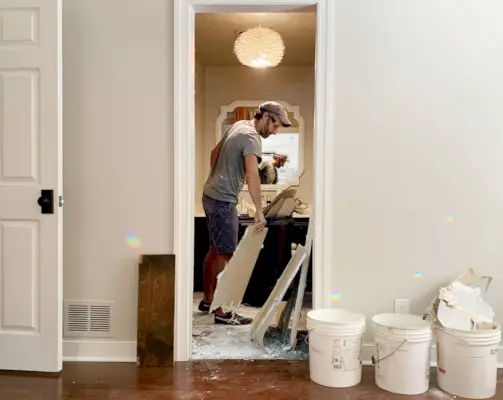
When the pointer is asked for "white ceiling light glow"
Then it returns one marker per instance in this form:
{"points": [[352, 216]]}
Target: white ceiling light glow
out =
{"points": [[259, 48]]}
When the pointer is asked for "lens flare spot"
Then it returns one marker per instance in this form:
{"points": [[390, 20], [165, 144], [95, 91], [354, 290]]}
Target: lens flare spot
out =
{"points": [[336, 295], [417, 275], [450, 218], [133, 241]]}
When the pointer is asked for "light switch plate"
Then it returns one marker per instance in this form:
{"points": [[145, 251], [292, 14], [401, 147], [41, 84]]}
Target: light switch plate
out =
{"points": [[402, 306]]}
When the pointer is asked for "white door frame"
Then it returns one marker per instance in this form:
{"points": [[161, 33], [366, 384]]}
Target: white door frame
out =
{"points": [[184, 149]]}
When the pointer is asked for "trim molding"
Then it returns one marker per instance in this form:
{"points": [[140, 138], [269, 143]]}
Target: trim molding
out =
{"points": [[99, 350], [324, 236], [184, 149], [184, 178], [125, 351]]}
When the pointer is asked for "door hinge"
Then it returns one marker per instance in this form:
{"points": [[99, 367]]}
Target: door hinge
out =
{"points": [[61, 201]]}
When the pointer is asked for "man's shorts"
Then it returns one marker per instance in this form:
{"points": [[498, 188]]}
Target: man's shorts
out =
{"points": [[222, 220]]}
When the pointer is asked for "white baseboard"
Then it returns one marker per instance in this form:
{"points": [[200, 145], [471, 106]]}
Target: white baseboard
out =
{"points": [[368, 351], [99, 350], [125, 351]]}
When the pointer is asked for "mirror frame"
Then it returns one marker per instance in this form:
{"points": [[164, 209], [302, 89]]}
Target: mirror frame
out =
{"points": [[224, 110]]}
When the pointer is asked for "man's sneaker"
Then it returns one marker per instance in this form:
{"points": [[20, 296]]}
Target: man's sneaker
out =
{"points": [[232, 319], [204, 307]]}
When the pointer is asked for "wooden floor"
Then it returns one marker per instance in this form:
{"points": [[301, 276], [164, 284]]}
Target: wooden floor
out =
{"points": [[209, 380]]}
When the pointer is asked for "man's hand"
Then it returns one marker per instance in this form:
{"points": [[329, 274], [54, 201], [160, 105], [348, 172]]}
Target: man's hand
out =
{"points": [[260, 221], [253, 180]]}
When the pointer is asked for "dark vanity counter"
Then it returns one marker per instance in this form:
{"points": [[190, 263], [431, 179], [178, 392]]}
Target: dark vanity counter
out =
{"points": [[272, 260]]}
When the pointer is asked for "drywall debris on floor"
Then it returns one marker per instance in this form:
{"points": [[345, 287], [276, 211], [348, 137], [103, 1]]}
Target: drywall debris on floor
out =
{"points": [[461, 306], [233, 343], [214, 342]]}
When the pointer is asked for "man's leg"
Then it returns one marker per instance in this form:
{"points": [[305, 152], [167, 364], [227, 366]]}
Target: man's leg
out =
{"points": [[209, 260], [213, 264], [217, 267], [208, 275], [225, 228]]}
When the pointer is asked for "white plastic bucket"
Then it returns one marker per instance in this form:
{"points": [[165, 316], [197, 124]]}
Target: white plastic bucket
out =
{"points": [[402, 353], [467, 362], [335, 347]]}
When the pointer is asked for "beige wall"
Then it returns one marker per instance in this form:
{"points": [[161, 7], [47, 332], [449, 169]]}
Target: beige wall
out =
{"points": [[118, 145], [295, 85], [418, 137]]}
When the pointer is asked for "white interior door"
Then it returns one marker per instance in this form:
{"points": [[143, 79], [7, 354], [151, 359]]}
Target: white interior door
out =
{"points": [[30, 160]]}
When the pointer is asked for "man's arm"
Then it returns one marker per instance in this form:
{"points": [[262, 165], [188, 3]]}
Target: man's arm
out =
{"points": [[214, 153], [252, 153], [253, 180], [269, 173]]}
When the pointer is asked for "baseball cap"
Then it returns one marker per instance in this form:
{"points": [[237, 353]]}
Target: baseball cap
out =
{"points": [[278, 109]]}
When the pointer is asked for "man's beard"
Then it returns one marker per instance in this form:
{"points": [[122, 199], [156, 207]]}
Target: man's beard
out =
{"points": [[265, 132]]}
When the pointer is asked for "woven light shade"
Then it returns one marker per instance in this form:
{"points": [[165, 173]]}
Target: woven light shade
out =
{"points": [[259, 48]]}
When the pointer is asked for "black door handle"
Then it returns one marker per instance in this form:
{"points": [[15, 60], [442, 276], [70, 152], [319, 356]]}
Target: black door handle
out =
{"points": [[46, 201]]}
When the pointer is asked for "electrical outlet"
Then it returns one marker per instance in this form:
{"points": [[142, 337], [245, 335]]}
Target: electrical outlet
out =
{"points": [[402, 306]]}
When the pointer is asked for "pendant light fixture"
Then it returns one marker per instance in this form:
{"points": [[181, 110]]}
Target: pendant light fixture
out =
{"points": [[259, 48]]}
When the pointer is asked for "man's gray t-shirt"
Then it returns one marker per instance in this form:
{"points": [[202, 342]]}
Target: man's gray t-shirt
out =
{"points": [[227, 176]]}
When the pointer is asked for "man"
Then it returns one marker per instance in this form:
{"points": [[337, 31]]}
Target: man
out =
{"points": [[234, 160], [268, 171]]}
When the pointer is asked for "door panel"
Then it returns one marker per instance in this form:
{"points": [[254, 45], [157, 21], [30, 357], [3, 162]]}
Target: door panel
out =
{"points": [[19, 268], [20, 136], [30, 161]]}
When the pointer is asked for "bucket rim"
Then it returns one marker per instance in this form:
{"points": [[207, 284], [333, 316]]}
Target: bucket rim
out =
{"points": [[420, 323], [496, 329], [355, 317]]}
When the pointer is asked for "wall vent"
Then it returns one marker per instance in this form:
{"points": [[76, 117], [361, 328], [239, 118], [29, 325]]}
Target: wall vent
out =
{"points": [[88, 319]]}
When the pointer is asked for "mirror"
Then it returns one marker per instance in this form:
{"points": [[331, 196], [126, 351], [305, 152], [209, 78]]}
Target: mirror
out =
{"points": [[288, 141]]}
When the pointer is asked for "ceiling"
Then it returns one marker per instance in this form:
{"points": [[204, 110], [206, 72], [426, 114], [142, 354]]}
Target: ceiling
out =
{"points": [[216, 33]]}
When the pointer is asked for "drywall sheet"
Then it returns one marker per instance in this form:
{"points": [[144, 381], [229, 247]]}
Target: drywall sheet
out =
{"points": [[301, 290], [275, 206], [287, 208], [232, 283], [277, 321], [269, 309]]}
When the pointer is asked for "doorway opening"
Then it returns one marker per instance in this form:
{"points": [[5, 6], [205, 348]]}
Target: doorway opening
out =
{"points": [[189, 121], [226, 92]]}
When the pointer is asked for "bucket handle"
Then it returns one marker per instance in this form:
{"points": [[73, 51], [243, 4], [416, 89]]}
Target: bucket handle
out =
{"points": [[377, 360], [306, 339]]}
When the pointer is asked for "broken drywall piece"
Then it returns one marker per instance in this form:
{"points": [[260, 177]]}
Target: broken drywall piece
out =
{"points": [[275, 206], [470, 278], [287, 208], [283, 325], [461, 306], [269, 309], [233, 280], [302, 283]]}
